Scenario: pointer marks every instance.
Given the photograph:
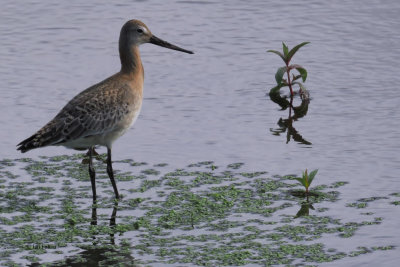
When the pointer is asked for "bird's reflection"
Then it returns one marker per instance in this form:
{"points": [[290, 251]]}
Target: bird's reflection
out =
{"points": [[101, 252], [112, 221], [286, 125]]}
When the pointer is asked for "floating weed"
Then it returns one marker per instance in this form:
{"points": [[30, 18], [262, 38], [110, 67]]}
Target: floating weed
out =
{"points": [[370, 199], [134, 202], [212, 167], [269, 185], [357, 205], [124, 161], [59, 158], [366, 213], [146, 185], [180, 172], [203, 178], [151, 172], [363, 202], [224, 225], [383, 248], [235, 166], [200, 164], [127, 176], [361, 250], [160, 165], [6, 163], [138, 163], [8, 174], [396, 195], [200, 215], [176, 183], [338, 184], [252, 174]]}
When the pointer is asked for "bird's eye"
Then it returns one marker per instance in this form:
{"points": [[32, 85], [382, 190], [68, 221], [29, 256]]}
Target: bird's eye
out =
{"points": [[139, 30]]}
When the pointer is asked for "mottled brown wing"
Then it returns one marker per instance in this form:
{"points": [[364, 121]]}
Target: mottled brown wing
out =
{"points": [[92, 115], [92, 112]]}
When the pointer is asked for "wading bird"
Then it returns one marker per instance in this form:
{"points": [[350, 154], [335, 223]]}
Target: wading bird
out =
{"points": [[105, 111]]}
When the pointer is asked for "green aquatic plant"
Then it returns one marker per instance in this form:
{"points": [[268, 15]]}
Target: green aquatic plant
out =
{"points": [[290, 81], [185, 216], [307, 179]]}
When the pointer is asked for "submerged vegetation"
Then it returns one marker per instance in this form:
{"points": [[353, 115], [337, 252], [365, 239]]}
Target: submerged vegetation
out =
{"points": [[202, 214], [287, 56], [307, 179], [286, 124]]}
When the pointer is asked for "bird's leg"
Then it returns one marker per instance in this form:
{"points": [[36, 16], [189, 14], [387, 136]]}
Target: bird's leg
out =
{"points": [[94, 222], [112, 222], [94, 213], [92, 173], [111, 173]]}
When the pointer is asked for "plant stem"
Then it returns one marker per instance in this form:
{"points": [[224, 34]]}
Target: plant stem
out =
{"points": [[289, 82], [306, 174], [307, 193]]}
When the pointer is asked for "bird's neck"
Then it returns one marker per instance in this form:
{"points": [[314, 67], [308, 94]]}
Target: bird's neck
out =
{"points": [[131, 63]]}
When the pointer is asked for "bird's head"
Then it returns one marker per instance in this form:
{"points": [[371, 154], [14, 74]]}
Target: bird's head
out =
{"points": [[135, 33]]}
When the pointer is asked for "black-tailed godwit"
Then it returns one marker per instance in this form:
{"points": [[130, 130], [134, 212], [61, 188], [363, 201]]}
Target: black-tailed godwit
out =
{"points": [[105, 111]]}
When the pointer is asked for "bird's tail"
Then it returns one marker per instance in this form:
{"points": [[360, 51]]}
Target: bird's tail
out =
{"points": [[28, 144], [46, 136]]}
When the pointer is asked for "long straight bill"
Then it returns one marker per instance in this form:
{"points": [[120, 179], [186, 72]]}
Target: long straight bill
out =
{"points": [[157, 41]]}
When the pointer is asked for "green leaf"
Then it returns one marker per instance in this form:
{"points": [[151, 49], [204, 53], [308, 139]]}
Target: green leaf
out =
{"points": [[301, 70], [303, 73], [285, 49], [279, 74], [294, 50], [275, 89], [301, 180], [312, 175], [305, 178], [278, 53]]}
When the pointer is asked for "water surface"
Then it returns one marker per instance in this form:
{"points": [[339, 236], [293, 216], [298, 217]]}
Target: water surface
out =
{"points": [[213, 105]]}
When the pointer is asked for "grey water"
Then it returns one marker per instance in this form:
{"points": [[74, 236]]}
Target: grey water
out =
{"points": [[213, 105]]}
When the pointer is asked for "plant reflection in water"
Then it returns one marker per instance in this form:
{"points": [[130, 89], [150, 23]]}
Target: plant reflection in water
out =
{"points": [[304, 209], [286, 125]]}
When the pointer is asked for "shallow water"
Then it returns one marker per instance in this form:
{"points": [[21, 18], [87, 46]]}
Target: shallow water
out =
{"points": [[213, 105]]}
